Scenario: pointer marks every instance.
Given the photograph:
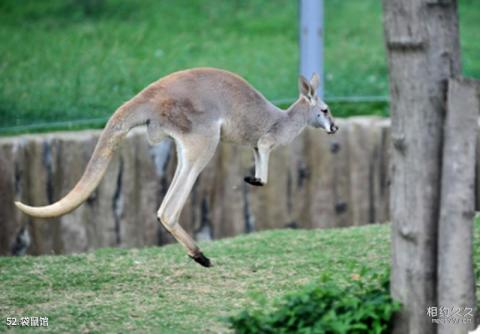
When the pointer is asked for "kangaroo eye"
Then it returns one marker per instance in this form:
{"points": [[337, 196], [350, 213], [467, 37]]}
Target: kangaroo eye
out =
{"points": [[324, 111]]}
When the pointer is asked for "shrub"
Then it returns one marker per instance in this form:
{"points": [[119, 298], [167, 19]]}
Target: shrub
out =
{"points": [[362, 307]]}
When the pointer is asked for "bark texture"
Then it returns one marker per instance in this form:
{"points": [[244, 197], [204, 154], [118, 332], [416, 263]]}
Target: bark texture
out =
{"points": [[456, 283], [423, 53]]}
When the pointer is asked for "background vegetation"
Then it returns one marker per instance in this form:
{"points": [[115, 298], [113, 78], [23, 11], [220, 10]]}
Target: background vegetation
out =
{"points": [[363, 307], [156, 290], [62, 61]]}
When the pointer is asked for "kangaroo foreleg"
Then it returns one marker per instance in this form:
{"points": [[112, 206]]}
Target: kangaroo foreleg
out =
{"points": [[255, 181], [264, 153], [261, 155]]}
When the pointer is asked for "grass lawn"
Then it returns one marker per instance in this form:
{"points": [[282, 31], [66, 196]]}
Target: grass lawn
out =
{"points": [[58, 63], [160, 290]]}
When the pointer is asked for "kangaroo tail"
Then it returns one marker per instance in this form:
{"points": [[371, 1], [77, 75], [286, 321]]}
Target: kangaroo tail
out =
{"points": [[125, 118]]}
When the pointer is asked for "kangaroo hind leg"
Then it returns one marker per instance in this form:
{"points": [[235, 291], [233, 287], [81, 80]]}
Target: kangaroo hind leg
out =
{"points": [[194, 152]]}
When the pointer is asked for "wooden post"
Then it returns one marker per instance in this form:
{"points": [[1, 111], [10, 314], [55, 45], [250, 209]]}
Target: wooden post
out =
{"points": [[456, 282], [422, 44]]}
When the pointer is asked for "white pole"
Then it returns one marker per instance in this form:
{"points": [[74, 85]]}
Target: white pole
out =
{"points": [[311, 40]]}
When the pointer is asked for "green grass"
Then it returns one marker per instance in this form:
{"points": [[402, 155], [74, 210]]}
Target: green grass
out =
{"points": [[160, 290], [58, 63]]}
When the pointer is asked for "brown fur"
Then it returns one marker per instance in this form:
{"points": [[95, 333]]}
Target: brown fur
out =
{"points": [[197, 107], [177, 113]]}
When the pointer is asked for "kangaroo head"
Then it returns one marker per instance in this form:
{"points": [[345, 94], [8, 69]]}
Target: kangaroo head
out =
{"points": [[319, 115]]}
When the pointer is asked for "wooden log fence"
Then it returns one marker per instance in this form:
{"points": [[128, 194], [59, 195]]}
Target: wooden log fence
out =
{"points": [[318, 181]]}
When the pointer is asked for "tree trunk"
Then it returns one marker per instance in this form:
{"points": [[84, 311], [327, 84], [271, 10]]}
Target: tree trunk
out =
{"points": [[456, 284], [423, 52]]}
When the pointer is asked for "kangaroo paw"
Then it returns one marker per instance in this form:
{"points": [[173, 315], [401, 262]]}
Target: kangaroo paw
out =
{"points": [[201, 259], [253, 181]]}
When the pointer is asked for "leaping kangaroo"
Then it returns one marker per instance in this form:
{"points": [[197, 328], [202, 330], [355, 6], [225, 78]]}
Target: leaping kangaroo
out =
{"points": [[197, 108]]}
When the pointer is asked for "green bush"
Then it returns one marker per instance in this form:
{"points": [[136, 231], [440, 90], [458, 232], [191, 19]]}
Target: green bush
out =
{"points": [[365, 306]]}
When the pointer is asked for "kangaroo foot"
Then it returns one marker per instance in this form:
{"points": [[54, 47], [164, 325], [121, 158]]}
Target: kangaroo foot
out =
{"points": [[253, 181], [201, 259]]}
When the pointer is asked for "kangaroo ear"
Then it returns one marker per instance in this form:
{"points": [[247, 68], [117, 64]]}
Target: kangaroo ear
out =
{"points": [[304, 87], [315, 81]]}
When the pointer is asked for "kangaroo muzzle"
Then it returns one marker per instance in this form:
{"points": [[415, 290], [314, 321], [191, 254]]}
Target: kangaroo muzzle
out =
{"points": [[333, 129]]}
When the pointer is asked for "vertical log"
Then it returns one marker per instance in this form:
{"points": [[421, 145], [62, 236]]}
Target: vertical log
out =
{"points": [[8, 221], [151, 164], [477, 169], [204, 200], [126, 200], [363, 140], [164, 157], [81, 229], [423, 53], [270, 202], [40, 155], [229, 215], [321, 202], [21, 187], [297, 180], [341, 160], [456, 282], [383, 174]]}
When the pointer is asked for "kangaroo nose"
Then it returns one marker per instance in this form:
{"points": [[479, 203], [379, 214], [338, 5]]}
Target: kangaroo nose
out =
{"points": [[333, 128]]}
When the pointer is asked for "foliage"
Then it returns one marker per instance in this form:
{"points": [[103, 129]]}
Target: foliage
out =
{"points": [[365, 306]]}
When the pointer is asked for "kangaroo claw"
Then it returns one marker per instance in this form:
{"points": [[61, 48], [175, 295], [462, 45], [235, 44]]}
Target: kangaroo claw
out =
{"points": [[201, 259], [253, 181]]}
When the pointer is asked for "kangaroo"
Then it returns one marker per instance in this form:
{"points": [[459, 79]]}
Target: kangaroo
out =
{"points": [[197, 108]]}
